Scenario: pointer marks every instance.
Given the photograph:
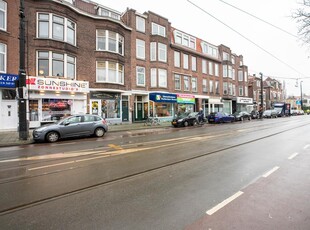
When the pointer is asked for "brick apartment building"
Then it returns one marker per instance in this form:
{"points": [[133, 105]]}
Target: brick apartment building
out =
{"points": [[82, 57]]}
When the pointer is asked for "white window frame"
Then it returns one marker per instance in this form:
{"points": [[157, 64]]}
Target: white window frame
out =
{"points": [[162, 78], [158, 30], [194, 84], [185, 61], [177, 79], [240, 75], [119, 40], [5, 17], [205, 85], [140, 24], [162, 52], [153, 77], [204, 66], [153, 53], [140, 49], [50, 59], [194, 63], [140, 75], [177, 59], [240, 90], [184, 39], [216, 70], [51, 23], [211, 86], [211, 68], [3, 53], [186, 82]]}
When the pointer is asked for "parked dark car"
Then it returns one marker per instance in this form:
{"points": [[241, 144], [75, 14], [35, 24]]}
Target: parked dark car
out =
{"points": [[72, 126], [185, 119], [220, 117], [254, 114], [243, 115], [270, 113]]}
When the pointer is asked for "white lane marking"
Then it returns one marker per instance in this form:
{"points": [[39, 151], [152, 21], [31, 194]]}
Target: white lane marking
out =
{"points": [[223, 203], [306, 146], [53, 165], [293, 156], [271, 171]]}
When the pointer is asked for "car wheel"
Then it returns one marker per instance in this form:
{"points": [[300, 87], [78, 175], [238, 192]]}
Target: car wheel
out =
{"points": [[99, 132], [250, 118], [185, 123], [52, 137]]}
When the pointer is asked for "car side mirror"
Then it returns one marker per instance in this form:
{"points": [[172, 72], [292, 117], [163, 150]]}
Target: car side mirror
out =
{"points": [[66, 123]]}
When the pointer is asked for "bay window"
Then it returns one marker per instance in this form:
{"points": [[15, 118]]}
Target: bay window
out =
{"points": [[109, 72], [109, 41]]}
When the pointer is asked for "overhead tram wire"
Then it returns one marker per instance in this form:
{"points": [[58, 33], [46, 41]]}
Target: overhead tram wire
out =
{"points": [[260, 19], [249, 40]]}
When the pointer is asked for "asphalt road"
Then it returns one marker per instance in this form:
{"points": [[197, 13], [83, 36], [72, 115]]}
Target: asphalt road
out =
{"points": [[250, 175]]}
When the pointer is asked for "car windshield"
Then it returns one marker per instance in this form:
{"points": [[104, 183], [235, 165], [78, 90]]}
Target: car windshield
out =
{"points": [[182, 115]]}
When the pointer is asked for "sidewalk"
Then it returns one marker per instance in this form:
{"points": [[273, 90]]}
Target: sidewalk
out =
{"points": [[11, 138]]}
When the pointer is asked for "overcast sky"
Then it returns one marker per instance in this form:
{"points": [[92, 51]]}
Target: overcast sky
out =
{"points": [[265, 49]]}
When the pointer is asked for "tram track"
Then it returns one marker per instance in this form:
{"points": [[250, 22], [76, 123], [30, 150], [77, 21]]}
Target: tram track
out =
{"points": [[36, 202]]}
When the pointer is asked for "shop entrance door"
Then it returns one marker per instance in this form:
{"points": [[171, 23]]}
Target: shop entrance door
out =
{"points": [[9, 116], [125, 115], [139, 111]]}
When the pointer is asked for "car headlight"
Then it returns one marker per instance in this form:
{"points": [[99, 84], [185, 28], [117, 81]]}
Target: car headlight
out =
{"points": [[40, 129]]}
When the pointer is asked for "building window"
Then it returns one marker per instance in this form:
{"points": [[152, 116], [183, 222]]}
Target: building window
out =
{"points": [[177, 82], [246, 92], [153, 77], [52, 26], [210, 68], [225, 56], [162, 78], [240, 75], [225, 88], [209, 49], [109, 72], [225, 71], [204, 85], [140, 76], [107, 13], [216, 69], [162, 52], [140, 49], [184, 39], [230, 72], [177, 59], [233, 74], [246, 78], [110, 41], [194, 84], [153, 51], [204, 66], [185, 61], [3, 57], [240, 90], [3, 15], [56, 64], [158, 30], [211, 86], [258, 83], [140, 24], [217, 87], [230, 87], [194, 63], [186, 83]]}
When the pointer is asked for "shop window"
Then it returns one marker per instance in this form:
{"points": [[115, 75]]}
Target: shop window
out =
{"points": [[55, 109], [33, 109]]}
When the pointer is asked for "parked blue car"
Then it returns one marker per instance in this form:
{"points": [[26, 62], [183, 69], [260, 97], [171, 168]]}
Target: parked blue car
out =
{"points": [[220, 117]]}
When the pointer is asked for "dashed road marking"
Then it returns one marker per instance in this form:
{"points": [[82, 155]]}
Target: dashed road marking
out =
{"points": [[306, 146], [292, 156], [224, 203], [271, 171]]}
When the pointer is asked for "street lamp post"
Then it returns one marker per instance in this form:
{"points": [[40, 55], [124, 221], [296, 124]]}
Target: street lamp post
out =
{"points": [[261, 95], [22, 101], [301, 104]]}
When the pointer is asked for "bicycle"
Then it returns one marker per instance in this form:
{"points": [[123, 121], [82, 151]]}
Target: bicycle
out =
{"points": [[152, 121]]}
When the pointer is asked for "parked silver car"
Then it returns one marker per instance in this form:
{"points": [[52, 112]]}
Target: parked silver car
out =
{"points": [[72, 126], [270, 113]]}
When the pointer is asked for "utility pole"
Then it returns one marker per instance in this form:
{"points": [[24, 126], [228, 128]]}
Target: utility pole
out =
{"points": [[301, 105], [22, 90], [261, 95]]}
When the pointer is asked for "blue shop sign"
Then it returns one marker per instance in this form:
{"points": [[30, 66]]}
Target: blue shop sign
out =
{"points": [[8, 80], [163, 97]]}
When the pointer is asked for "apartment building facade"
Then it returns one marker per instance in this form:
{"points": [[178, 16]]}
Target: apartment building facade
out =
{"points": [[82, 57]]}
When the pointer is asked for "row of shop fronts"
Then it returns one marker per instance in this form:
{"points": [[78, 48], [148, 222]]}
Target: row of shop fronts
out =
{"points": [[50, 99]]}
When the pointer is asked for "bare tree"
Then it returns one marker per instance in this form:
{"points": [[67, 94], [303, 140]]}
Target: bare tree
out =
{"points": [[302, 16]]}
